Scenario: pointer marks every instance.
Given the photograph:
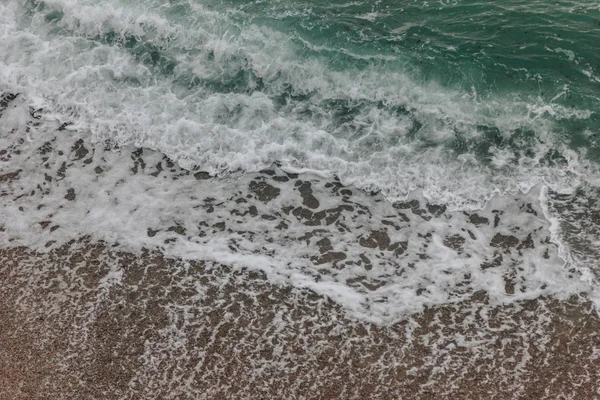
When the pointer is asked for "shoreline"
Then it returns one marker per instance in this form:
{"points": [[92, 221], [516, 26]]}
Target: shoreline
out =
{"points": [[123, 275], [254, 200], [174, 329], [379, 260]]}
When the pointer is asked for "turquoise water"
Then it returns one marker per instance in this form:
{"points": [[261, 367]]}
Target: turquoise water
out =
{"points": [[532, 52], [462, 99]]}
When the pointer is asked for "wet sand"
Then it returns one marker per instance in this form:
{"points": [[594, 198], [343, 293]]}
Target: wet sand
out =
{"points": [[176, 329], [83, 318]]}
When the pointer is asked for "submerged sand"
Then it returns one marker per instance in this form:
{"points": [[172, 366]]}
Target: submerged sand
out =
{"points": [[177, 329], [125, 276]]}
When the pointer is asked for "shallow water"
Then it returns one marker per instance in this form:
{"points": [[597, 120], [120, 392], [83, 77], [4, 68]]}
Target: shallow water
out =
{"points": [[464, 108], [382, 261]]}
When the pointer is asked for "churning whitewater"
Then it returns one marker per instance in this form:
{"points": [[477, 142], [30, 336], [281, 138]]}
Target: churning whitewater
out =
{"points": [[434, 156], [338, 90]]}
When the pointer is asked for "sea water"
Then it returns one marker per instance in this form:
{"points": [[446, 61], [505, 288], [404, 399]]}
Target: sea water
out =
{"points": [[442, 116]]}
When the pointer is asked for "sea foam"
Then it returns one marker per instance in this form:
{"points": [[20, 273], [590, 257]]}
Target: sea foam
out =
{"points": [[212, 93], [380, 260], [412, 194]]}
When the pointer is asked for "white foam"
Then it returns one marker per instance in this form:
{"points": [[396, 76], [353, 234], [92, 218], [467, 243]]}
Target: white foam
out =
{"points": [[13, 120], [419, 260], [107, 94], [105, 90]]}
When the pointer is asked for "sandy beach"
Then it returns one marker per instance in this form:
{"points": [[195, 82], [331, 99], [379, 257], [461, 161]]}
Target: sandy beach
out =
{"points": [[154, 336], [83, 318], [123, 275], [311, 200]]}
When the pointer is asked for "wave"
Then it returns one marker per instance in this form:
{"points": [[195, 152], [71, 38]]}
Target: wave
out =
{"points": [[210, 91]]}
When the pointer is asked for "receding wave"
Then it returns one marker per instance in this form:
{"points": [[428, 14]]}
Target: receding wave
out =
{"points": [[469, 180], [212, 87]]}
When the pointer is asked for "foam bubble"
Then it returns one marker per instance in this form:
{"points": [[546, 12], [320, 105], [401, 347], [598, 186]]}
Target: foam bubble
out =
{"points": [[233, 97], [206, 91], [380, 260]]}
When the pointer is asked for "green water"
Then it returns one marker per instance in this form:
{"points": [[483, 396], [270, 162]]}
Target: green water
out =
{"points": [[532, 51], [389, 95], [520, 48]]}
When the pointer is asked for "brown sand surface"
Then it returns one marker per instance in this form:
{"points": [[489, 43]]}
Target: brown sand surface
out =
{"points": [[86, 320], [173, 329]]}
